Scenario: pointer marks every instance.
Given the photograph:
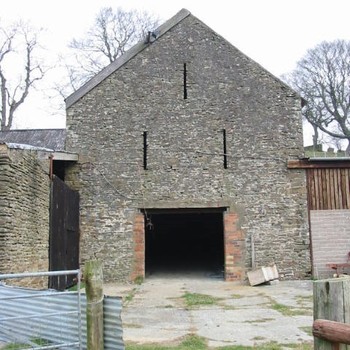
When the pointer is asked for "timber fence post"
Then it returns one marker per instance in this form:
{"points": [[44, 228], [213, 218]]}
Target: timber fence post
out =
{"points": [[331, 302], [94, 304]]}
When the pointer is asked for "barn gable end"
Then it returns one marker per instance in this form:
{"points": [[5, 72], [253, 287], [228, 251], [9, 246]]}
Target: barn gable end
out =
{"points": [[187, 134]]}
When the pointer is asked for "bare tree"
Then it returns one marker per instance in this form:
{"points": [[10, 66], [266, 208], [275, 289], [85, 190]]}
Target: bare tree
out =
{"points": [[322, 77], [20, 68], [112, 34]]}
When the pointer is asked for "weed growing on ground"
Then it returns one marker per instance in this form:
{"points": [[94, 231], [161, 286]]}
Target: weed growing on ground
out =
{"points": [[75, 287], [260, 320], [130, 296], [286, 310], [307, 330], [18, 346], [139, 280], [193, 342], [193, 300], [269, 346], [237, 296]]}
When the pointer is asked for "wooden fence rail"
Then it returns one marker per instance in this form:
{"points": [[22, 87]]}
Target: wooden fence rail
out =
{"points": [[331, 327], [333, 332]]}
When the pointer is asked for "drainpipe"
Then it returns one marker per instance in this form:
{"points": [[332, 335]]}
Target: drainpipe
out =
{"points": [[252, 245], [51, 166]]}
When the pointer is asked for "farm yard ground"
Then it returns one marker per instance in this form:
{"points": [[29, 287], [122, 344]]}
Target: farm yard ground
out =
{"points": [[168, 310]]}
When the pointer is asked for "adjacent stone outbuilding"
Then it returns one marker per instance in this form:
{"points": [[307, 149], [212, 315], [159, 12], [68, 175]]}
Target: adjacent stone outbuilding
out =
{"points": [[24, 211], [183, 146]]}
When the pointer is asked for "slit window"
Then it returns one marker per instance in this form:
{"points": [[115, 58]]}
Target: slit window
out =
{"points": [[185, 81], [224, 147], [145, 150]]}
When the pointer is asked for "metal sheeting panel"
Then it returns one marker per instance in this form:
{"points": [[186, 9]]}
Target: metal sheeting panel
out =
{"points": [[59, 323], [113, 331]]}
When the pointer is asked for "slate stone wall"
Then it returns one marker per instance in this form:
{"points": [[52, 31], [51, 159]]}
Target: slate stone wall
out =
{"points": [[24, 214], [185, 163]]}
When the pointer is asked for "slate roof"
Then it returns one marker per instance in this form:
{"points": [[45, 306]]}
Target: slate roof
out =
{"points": [[132, 52], [53, 139]]}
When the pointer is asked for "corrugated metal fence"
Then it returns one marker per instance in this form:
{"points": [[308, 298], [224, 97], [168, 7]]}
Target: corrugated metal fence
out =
{"points": [[28, 315]]}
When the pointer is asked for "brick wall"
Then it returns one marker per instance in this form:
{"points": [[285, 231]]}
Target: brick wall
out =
{"points": [[234, 248], [330, 233], [185, 165], [24, 213]]}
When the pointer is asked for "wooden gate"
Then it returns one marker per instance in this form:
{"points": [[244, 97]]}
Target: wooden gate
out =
{"points": [[64, 233], [328, 188]]}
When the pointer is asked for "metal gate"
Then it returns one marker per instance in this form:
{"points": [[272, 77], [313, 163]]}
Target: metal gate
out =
{"points": [[40, 319], [64, 233]]}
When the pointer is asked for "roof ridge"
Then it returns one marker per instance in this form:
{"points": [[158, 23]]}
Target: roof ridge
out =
{"points": [[121, 60]]}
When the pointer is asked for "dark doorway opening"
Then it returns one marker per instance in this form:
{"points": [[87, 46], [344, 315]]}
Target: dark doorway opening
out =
{"points": [[184, 242], [64, 233]]}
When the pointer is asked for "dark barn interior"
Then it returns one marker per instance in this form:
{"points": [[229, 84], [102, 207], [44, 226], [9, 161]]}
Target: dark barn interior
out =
{"points": [[184, 242]]}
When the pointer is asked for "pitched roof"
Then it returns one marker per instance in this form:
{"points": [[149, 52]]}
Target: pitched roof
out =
{"points": [[136, 49], [115, 65], [53, 139]]}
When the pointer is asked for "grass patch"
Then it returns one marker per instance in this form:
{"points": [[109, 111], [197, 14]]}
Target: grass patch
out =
{"points": [[269, 346], [305, 301], [191, 342], [139, 280], [193, 300], [17, 346], [129, 297], [307, 330], [260, 320], [75, 287], [131, 325], [305, 298], [237, 296], [258, 338], [302, 346], [286, 310]]}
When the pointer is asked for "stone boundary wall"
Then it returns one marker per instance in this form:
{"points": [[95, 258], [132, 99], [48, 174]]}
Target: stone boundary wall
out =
{"points": [[330, 235], [24, 213]]}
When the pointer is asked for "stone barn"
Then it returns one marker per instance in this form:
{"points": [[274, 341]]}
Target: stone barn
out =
{"points": [[183, 147]]}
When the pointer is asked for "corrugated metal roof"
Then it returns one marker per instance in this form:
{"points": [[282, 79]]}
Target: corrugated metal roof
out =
{"points": [[53, 139]]}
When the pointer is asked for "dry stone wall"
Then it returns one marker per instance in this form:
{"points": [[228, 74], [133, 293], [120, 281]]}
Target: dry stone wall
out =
{"points": [[24, 213], [225, 90]]}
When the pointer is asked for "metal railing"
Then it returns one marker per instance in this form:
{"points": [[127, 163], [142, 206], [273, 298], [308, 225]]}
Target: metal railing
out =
{"points": [[42, 319]]}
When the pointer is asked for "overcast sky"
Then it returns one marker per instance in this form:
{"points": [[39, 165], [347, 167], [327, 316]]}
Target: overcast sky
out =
{"points": [[275, 33]]}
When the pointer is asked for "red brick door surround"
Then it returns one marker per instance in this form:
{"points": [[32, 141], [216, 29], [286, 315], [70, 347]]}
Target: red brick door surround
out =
{"points": [[138, 270], [234, 248]]}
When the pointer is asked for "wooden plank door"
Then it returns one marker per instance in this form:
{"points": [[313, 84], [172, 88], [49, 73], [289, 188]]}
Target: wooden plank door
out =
{"points": [[64, 233]]}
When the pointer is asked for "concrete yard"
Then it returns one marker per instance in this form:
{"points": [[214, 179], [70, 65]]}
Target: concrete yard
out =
{"points": [[156, 311]]}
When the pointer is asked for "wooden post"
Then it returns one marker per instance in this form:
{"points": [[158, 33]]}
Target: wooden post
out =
{"points": [[331, 302], [94, 304]]}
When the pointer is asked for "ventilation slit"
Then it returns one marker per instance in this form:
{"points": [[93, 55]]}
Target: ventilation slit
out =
{"points": [[225, 147], [185, 81], [145, 150]]}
